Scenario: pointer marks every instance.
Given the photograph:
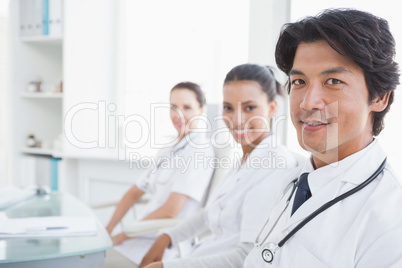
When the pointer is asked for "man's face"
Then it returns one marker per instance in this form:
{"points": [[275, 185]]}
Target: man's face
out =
{"points": [[329, 103]]}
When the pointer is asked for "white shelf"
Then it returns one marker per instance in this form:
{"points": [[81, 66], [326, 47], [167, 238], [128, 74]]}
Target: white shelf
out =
{"points": [[43, 39], [39, 151], [42, 95]]}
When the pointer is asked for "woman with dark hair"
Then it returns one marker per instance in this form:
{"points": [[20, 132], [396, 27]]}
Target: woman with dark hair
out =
{"points": [[249, 103], [176, 190]]}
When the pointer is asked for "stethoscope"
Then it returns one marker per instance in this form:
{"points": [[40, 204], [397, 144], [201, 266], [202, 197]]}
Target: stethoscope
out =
{"points": [[270, 248]]}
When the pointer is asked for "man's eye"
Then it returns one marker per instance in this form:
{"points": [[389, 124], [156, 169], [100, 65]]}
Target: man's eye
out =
{"points": [[333, 81], [297, 82]]}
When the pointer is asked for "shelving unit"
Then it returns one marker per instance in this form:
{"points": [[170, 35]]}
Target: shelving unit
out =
{"points": [[83, 58], [38, 113]]}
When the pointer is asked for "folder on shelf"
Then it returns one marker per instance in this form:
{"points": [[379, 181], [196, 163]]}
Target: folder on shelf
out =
{"points": [[55, 226], [26, 17], [45, 16], [43, 171], [23, 18], [55, 17], [54, 174], [40, 170]]}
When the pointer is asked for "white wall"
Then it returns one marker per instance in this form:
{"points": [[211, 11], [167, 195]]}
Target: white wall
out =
{"points": [[180, 40], [266, 20], [88, 70]]}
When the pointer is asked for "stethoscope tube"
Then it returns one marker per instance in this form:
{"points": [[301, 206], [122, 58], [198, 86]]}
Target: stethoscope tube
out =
{"points": [[268, 254]]}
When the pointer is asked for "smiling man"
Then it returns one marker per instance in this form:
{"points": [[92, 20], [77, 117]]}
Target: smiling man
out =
{"points": [[343, 207]]}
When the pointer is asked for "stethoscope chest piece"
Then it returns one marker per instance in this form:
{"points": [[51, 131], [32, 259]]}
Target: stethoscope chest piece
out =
{"points": [[269, 252]]}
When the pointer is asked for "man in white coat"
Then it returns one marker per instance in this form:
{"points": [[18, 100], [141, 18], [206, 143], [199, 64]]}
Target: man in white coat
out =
{"points": [[344, 206]]}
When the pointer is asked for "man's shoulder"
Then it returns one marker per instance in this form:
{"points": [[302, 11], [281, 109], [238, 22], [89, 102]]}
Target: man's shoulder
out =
{"points": [[385, 201]]}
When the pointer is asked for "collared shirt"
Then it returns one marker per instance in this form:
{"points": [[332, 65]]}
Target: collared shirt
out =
{"points": [[226, 216], [363, 230], [184, 168]]}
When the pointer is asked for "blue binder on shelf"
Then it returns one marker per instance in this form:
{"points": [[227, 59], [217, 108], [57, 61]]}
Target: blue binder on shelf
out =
{"points": [[54, 174], [45, 17]]}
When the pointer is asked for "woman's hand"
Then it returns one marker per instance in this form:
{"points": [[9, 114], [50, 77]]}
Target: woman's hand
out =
{"points": [[155, 253], [109, 229], [120, 238], [155, 265]]}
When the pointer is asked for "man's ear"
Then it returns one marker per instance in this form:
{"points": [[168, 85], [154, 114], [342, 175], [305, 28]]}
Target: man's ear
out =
{"points": [[380, 103]]}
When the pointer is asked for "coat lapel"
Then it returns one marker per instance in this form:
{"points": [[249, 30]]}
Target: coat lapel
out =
{"points": [[326, 194]]}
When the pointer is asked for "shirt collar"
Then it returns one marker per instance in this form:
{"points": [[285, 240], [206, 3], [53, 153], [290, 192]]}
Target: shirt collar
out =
{"points": [[261, 148], [352, 169], [259, 151], [194, 137]]}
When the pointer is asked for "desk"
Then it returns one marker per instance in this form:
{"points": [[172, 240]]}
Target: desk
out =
{"points": [[60, 252]]}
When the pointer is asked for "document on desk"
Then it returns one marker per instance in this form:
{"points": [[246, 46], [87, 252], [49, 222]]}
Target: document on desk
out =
{"points": [[55, 226], [11, 195]]}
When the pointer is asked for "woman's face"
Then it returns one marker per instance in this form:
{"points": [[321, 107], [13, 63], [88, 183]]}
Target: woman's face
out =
{"points": [[247, 112], [184, 109]]}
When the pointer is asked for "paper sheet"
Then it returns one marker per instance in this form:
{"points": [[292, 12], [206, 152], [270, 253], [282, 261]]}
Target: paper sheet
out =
{"points": [[11, 195], [47, 226]]}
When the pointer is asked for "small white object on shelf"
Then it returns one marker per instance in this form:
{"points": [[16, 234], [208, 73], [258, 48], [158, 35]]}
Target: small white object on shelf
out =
{"points": [[30, 141]]}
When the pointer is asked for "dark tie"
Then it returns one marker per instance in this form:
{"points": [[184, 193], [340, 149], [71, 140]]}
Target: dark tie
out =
{"points": [[303, 192]]}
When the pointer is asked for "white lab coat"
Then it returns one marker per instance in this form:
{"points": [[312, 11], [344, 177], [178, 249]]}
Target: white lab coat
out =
{"points": [[363, 230], [229, 218], [185, 169]]}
